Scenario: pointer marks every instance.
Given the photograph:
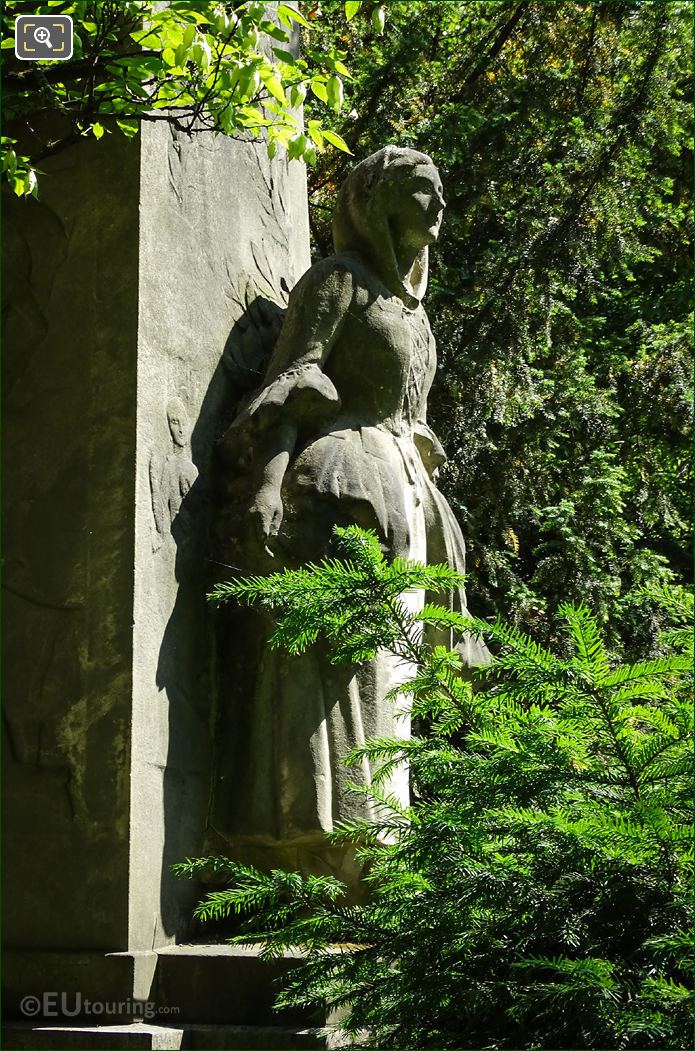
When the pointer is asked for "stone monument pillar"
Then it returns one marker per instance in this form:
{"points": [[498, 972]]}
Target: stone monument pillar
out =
{"points": [[128, 285]]}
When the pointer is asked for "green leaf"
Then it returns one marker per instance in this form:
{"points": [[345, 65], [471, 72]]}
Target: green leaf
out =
{"points": [[274, 31], [97, 130], [227, 120], [249, 83], [128, 127], [296, 146], [288, 14], [335, 93], [297, 95], [188, 11], [316, 134], [200, 53], [351, 8], [286, 56], [378, 19], [336, 140], [318, 87], [274, 86]]}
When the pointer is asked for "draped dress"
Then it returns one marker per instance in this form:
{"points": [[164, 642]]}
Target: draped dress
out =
{"points": [[351, 372]]}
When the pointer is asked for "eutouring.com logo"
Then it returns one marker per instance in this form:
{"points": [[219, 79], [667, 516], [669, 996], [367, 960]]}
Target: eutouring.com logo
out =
{"points": [[70, 1005]]}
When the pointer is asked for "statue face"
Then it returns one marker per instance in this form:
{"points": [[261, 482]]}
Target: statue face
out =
{"points": [[419, 206], [178, 428]]}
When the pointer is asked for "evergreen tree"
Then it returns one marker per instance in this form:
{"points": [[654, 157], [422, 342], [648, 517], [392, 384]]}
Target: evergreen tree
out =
{"points": [[537, 892], [560, 286]]}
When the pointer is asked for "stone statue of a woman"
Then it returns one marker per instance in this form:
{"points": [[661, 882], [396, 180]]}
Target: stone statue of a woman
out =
{"points": [[336, 434]]}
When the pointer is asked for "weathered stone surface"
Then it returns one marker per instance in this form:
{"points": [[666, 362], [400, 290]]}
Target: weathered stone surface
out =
{"points": [[187, 996], [160, 1038], [101, 1038], [253, 1038], [221, 227], [336, 434], [70, 296], [224, 984], [137, 291], [72, 978]]}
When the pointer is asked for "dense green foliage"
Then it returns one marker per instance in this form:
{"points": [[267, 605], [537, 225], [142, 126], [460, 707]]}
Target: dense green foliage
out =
{"points": [[560, 291], [200, 66], [560, 288], [537, 892]]}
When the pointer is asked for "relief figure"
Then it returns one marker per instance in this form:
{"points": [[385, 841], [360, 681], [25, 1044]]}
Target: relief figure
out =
{"points": [[171, 478]]}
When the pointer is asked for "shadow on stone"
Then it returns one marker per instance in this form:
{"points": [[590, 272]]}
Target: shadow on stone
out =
{"points": [[186, 667]]}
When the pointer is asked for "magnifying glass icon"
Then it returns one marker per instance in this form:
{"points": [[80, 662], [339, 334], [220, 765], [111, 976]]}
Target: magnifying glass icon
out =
{"points": [[42, 36]]}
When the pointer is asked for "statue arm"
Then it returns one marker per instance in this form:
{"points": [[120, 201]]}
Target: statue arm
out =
{"points": [[295, 386], [156, 471], [273, 456], [316, 312], [428, 445], [426, 441]]}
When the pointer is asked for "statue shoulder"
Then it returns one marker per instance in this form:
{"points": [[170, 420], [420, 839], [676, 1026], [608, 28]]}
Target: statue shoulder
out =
{"points": [[330, 279]]}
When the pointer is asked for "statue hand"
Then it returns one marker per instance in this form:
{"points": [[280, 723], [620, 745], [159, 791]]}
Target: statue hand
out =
{"points": [[266, 514]]}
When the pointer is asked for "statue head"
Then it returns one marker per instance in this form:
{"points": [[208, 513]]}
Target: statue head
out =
{"points": [[390, 201], [177, 417]]}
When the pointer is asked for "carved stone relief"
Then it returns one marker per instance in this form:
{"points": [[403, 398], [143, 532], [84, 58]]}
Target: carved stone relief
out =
{"points": [[171, 478]]}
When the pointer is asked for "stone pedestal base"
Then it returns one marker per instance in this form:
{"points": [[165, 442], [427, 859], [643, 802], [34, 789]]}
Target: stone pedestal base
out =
{"points": [[197, 996], [161, 1038]]}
